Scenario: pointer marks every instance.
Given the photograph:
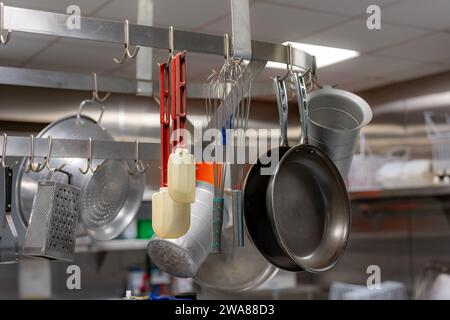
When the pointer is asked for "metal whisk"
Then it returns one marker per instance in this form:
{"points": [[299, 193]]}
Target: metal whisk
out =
{"points": [[228, 107]]}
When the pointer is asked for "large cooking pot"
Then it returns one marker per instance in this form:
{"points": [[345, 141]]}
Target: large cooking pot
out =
{"points": [[110, 197]]}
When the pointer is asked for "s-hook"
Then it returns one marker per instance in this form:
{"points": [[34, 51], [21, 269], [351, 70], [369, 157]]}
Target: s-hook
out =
{"points": [[32, 166], [47, 158], [89, 166], [3, 38], [95, 96], [139, 167], [126, 50]]}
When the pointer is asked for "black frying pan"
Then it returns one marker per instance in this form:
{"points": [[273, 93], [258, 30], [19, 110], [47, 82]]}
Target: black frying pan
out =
{"points": [[307, 202], [257, 221]]}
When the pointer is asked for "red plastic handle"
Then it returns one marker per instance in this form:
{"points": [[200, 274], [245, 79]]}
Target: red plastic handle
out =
{"points": [[179, 97], [164, 119]]}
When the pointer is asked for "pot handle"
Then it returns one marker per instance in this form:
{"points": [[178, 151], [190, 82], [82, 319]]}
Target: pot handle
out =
{"points": [[83, 105], [302, 106], [282, 103]]}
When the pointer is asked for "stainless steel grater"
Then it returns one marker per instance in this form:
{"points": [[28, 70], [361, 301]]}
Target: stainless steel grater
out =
{"points": [[52, 227]]}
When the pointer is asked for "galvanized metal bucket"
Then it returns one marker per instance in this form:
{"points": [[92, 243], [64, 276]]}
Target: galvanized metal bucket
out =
{"points": [[335, 120]]}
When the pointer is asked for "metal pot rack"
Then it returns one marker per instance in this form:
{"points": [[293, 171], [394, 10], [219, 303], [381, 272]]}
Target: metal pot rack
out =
{"points": [[16, 19]]}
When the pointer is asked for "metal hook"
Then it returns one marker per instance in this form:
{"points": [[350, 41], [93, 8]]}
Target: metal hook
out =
{"points": [[289, 65], [126, 51], [3, 38], [139, 167], [49, 152], [171, 45], [32, 166], [89, 161], [95, 96], [226, 46]]}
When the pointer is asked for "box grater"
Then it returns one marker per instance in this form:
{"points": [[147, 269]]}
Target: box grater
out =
{"points": [[51, 231]]}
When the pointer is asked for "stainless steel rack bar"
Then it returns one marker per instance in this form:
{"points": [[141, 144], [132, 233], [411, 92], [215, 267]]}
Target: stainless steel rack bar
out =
{"points": [[55, 24], [84, 82], [71, 148]]}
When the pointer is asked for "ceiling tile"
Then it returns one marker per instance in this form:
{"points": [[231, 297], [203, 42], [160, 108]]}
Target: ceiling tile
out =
{"points": [[355, 35], [189, 14], [420, 71], [344, 7], [370, 66], [433, 14], [433, 48], [364, 84], [278, 23], [87, 6], [119, 10]]}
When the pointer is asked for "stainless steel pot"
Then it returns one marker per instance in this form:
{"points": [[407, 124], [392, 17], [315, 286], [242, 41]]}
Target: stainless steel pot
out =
{"points": [[110, 197]]}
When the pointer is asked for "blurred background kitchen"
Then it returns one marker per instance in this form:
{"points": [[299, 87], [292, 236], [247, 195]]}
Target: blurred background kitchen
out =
{"points": [[399, 182]]}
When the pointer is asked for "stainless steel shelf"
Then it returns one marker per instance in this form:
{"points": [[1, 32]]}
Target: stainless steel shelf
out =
{"points": [[417, 192]]}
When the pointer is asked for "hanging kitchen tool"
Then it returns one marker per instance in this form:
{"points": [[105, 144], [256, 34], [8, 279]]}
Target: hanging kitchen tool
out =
{"points": [[110, 198], [181, 167], [170, 219], [307, 201], [8, 222], [52, 229], [239, 77], [184, 256], [335, 118], [235, 269], [256, 217]]}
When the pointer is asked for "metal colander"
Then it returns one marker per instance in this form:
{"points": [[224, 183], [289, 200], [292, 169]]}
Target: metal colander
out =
{"points": [[52, 229], [104, 194]]}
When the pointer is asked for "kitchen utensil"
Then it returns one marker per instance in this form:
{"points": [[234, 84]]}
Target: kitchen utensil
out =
{"points": [[181, 168], [240, 80], [307, 202], [258, 224], [215, 98], [170, 219], [110, 198], [335, 118], [235, 269], [8, 222], [183, 257], [52, 229]]}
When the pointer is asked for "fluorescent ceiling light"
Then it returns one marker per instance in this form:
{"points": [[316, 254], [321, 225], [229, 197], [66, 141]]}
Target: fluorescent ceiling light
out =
{"points": [[325, 56]]}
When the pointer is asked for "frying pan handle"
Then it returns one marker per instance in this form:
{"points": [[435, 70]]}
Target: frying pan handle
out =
{"points": [[302, 106], [83, 105], [282, 103], [164, 119], [217, 225]]}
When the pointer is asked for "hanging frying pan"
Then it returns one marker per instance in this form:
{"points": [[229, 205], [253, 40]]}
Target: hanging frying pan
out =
{"points": [[307, 202], [256, 218]]}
